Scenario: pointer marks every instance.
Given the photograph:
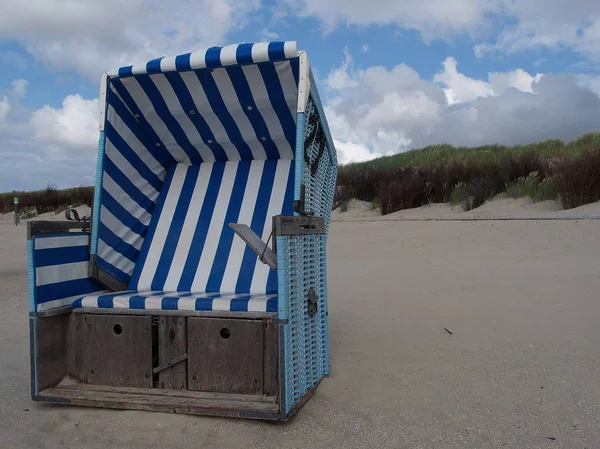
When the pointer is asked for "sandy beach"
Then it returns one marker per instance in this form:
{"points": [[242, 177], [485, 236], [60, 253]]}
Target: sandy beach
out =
{"points": [[521, 368]]}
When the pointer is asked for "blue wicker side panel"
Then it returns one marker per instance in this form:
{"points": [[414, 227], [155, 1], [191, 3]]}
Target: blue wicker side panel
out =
{"points": [[305, 345], [302, 263]]}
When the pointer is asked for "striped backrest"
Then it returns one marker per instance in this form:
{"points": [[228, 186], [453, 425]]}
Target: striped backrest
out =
{"points": [[190, 247], [236, 103], [58, 270]]}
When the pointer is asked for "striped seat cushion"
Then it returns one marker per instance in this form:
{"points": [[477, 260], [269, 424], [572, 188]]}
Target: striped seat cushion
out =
{"points": [[189, 246], [179, 301]]}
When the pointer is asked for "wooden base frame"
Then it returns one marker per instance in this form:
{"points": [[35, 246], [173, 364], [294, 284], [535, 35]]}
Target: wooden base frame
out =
{"points": [[169, 401], [201, 365]]}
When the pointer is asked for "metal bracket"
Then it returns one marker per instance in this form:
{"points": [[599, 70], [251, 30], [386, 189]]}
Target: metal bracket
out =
{"points": [[289, 225], [304, 82], [265, 254], [170, 363], [102, 101], [299, 204], [313, 302]]}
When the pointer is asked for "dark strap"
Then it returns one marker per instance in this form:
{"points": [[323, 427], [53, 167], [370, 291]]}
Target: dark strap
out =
{"points": [[316, 137]]}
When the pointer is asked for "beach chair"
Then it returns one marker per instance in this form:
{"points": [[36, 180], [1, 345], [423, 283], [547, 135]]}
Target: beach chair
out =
{"points": [[199, 284]]}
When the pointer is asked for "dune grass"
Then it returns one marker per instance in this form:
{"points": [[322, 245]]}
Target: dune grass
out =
{"points": [[524, 186], [544, 170], [46, 200], [545, 191]]}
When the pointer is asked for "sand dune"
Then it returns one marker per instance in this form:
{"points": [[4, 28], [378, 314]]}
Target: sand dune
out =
{"points": [[498, 208], [82, 210]]}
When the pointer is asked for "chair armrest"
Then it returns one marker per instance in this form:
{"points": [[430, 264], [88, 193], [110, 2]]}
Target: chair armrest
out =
{"points": [[290, 225]]}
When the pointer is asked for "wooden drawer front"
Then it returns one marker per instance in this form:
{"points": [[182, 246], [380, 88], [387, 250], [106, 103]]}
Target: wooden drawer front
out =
{"points": [[117, 350], [225, 355]]}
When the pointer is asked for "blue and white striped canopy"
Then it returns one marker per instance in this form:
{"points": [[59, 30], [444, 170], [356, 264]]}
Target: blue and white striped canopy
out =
{"points": [[236, 103]]}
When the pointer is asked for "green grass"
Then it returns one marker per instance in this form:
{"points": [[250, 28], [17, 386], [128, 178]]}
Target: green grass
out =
{"points": [[444, 154], [460, 194], [546, 191], [524, 186], [49, 199], [550, 169], [375, 203]]}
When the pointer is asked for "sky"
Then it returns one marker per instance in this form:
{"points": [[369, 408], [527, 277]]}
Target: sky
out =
{"points": [[394, 75]]}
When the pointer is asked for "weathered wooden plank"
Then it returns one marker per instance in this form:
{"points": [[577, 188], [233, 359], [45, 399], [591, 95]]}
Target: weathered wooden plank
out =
{"points": [[271, 384], [75, 347], [83, 396], [172, 344], [64, 310], [187, 313], [171, 393], [225, 355], [117, 350], [51, 360], [40, 227]]}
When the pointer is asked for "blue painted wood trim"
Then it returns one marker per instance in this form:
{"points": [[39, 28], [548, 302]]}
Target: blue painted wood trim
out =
{"points": [[98, 194], [31, 274]]}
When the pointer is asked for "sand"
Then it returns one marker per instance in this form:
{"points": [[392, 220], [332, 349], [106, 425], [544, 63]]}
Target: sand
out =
{"points": [[357, 210], [498, 208], [521, 369]]}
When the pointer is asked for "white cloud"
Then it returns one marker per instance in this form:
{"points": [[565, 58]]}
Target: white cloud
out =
{"points": [[268, 35], [364, 48], [19, 87], [51, 145], [433, 18], [518, 79], [353, 152], [383, 110], [91, 37], [463, 89], [395, 110], [522, 25], [460, 88], [591, 82], [4, 110], [341, 77], [554, 24], [75, 125]]}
